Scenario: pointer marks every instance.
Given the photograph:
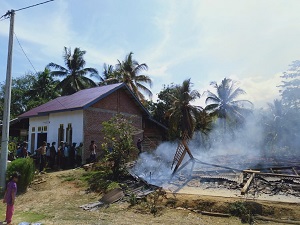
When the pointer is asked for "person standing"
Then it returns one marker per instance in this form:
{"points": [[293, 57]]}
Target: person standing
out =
{"points": [[9, 197], [52, 155], [79, 154], [72, 155], [24, 150], [42, 151], [60, 155], [66, 156], [93, 148], [48, 154]]}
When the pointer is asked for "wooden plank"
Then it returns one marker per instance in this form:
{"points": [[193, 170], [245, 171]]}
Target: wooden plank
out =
{"points": [[277, 220], [295, 171], [271, 174], [240, 179], [215, 214], [246, 187]]}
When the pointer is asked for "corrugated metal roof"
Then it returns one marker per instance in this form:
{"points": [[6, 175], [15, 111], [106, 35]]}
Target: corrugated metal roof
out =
{"points": [[78, 100]]}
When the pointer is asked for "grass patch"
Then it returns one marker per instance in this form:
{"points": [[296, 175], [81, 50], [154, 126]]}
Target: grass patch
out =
{"points": [[69, 179], [30, 217]]}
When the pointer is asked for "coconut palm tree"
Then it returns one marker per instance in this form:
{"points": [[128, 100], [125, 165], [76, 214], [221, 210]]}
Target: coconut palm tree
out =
{"points": [[182, 115], [109, 75], [276, 123], [129, 71], [224, 103], [42, 89], [74, 74]]}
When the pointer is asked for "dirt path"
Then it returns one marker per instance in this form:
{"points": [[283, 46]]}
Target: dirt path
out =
{"points": [[54, 198]]}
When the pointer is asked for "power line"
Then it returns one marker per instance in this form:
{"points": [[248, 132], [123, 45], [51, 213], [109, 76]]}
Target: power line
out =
{"points": [[24, 52], [34, 5], [6, 15], [3, 18]]}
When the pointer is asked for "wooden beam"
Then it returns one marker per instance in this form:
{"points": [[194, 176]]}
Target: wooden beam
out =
{"points": [[240, 179], [295, 171], [271, 174], [246, 187], [215, 214]]}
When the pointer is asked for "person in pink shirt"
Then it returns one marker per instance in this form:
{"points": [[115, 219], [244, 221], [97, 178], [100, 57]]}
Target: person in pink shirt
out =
{"points": [[9, 197]]}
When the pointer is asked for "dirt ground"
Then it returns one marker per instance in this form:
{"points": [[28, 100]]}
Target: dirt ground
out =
{"points": [[54, 198]]}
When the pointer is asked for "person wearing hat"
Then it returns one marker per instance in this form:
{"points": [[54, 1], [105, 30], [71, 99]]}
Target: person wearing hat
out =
{"points": [[9, 197]]}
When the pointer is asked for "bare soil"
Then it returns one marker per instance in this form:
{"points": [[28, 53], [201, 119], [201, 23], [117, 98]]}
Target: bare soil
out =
{"points": [[54, 198]]}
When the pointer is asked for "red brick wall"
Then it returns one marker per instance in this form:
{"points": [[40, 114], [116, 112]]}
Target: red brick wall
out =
{"points": [[103, 110]]}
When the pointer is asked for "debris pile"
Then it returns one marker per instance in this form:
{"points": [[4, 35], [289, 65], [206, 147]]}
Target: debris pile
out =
{"points": [[134, 185]]}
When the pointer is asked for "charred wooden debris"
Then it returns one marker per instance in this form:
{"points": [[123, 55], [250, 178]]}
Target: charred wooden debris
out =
{"points": [[263, 176], [133, 185]]}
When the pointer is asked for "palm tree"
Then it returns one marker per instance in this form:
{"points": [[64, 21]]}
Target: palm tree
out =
{"points": [[182, 115], [109, 75], [42, 89], [224, 103], [204, 124], [276, 123], [74, 74], [128, 71]]}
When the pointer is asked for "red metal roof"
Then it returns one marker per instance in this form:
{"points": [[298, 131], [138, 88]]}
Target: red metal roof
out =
{"points": [[79, 100]]}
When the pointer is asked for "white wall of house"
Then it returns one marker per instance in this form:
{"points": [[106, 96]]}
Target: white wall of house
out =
{"points": [[50, 125], [75, 118], [34, 124]]}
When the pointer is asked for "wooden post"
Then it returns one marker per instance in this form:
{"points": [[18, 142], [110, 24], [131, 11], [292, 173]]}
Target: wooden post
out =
{"points": [[246, 187]]}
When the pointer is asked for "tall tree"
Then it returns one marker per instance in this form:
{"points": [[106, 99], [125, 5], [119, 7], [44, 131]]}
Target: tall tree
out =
{"points": [[291, 86], [129, 71], [109, 75], [224, 103], [275, 123], [42, 89], [19, 95], [74, 74], [182, 114]]}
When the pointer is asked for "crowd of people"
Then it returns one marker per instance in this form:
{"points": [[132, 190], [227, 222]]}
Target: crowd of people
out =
{"points": [[65, 156]]}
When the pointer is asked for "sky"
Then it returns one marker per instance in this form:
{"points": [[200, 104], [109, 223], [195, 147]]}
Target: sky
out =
{"points": [[251, 42]]}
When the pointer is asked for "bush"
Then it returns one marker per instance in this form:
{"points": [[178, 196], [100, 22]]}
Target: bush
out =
{"points": [[25, 167]]}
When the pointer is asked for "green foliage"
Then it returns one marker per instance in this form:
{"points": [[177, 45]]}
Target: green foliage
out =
{"points": [[290, 88], [133, 200], [182, 113], [118, 143], [224, 104], [154, 199], [113, 185], [242, 210], [160, 109], [19, 96], [29, 91], [128, 72], [99, 180], [25, 167], [74, 73]]}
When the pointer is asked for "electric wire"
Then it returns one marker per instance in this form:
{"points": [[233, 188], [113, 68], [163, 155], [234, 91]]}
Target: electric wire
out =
{"points": [[6, 15], [33, 5], [24, 52], [3, 19]]}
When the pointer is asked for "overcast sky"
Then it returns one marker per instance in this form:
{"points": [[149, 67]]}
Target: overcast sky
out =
{"points": [[252, 42]]}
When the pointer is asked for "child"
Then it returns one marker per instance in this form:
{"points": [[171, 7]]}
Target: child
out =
{"points": [[9, 197]]}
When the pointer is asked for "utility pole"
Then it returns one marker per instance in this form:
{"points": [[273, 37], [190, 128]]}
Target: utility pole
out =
{"points": [[7, 100]]}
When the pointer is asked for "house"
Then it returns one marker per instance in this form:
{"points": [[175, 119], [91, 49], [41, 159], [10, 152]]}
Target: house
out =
{"points": [[78, 117]]}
